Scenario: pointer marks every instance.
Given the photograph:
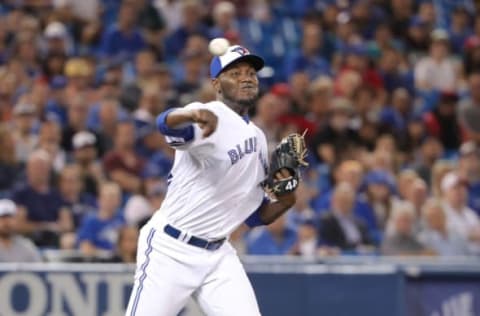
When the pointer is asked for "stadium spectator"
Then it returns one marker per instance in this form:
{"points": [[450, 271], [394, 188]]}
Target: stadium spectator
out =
{"points": [[417, 38], [469, 169], [428, 153], [126, 247], [191, 23], [396, 117], [267, 117], [192, 71], [9, 166], [42, 213], [299, 83], [439, 170], [77, 112], [404, 180], [85, 156], [459, 29], [79, 74], [124, 39], [301, 212], [274, 239], [319, 98], [395, 71], [379, 191], [57, 39], [340, 227], [13, 247], [435, 234], [103, 119], [224, 20], [356, 62], [461, 219], [140, 207], [309, 57], [25, 140], [469, 108], [352, 172], [145, 61], [307, 244], [71, 190], [148, 140], [416, 195], [98, 234], [122, 164], [400, 238], [442, 122], [152, 23], [471, 56], [49, 140], [437, 71], [337, 140]]}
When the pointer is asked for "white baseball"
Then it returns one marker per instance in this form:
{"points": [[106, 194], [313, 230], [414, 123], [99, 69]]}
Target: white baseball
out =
{"points": [[218, 46]]}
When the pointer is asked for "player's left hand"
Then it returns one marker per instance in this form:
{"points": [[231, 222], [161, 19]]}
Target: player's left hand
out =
{"points": [[289, 155], [288, 197]]}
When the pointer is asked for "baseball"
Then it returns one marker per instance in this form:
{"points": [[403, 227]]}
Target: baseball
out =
{"points": [[218, 46]]}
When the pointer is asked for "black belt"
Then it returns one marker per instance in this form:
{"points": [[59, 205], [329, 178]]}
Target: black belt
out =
{"points": [[194, 241]]}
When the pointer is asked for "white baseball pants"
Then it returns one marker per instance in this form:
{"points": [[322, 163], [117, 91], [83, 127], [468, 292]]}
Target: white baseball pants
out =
{"points": [[169, 271]]}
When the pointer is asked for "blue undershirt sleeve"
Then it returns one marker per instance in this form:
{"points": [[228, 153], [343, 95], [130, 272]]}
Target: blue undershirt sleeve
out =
{"points": [[254, 219], [176, 136]]}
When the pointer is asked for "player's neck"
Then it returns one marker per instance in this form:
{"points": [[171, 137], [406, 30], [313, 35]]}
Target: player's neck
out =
{"points": [[240, 108]]}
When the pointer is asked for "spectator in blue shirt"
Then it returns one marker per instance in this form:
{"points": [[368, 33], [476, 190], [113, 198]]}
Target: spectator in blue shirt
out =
{"points": [[71, 189], [123, 40], [393, 71], [352, 172], [191, 24], [99, 232], [42, 212], [274, 239], [340, 227], [459, 29], [396, 117], [309, 58]]}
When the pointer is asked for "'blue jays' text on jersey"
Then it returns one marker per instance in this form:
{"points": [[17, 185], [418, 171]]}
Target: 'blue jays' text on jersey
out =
{"points": [[215, 183]]}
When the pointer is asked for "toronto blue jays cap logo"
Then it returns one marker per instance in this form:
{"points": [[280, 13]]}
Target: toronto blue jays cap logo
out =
{"points": [[240, 49], [234, 53]]}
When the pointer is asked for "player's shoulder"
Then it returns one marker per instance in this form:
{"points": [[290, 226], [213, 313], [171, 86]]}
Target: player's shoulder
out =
{"points": [[258, 130], [209, 105]]}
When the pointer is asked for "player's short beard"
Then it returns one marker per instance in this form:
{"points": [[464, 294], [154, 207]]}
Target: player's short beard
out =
{"points": [[245, 103]]}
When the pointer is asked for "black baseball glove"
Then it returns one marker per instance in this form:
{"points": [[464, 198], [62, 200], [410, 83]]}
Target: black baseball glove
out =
{"points": [[289, 154]]}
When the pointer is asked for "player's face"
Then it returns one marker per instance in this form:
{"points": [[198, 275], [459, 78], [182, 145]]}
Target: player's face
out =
{"points": [[239, 84]]}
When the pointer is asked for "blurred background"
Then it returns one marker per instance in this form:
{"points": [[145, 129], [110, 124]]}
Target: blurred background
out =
{"points": [[388, 90]]}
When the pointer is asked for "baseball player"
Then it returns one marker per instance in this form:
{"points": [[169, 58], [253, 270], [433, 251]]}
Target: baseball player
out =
{"points": [[215, 185]]}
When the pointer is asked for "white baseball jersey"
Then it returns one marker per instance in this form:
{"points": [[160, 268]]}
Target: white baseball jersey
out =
{"points": [[215, 181]]}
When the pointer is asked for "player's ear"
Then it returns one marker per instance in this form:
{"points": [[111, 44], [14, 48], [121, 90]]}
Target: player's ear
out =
{"points": [[216, 84]]}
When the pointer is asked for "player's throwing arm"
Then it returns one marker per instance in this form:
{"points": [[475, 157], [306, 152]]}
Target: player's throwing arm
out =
{"points": [[205, 119]]}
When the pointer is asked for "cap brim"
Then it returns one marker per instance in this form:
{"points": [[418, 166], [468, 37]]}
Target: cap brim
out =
{"points": [[254, 60]]}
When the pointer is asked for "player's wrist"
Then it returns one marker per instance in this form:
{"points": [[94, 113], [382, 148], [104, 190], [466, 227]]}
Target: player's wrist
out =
{"points": [[287, 200]]}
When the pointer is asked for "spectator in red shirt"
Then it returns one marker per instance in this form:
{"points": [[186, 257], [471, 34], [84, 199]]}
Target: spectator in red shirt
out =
{"points": [[122, 164]]}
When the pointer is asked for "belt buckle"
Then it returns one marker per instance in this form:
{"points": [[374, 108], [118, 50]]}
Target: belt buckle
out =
{"points": [[213, 244]]}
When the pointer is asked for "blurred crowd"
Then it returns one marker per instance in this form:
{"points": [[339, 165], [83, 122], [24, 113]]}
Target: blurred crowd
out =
{"points": [[388, 91]]}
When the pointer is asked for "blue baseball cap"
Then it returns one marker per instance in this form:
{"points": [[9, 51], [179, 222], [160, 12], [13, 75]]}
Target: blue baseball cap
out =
{"points": [[380, 177], [234, 54]]}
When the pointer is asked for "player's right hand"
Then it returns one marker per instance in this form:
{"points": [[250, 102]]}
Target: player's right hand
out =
{"points": [[206, 120]]}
